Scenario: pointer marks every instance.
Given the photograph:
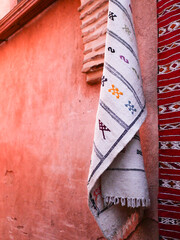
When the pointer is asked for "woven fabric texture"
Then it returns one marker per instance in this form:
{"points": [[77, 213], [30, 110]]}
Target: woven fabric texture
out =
{"points": [[117, 184], [169, 118]]}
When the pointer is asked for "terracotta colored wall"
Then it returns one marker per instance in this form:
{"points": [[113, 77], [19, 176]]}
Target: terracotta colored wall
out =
{"points": [[145, 19], [47, 115]]}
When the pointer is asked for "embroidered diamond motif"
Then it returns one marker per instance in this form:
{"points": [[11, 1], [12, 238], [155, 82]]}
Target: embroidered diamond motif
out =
{"points": [[169, 46], [169, 221], [173, 26], [175, 107], [115, 91], [169, 126], [130, 107], [161, 31], [175, 65], [169, 9], [169, 202], [170, 145], [162, 69], [169, 183], [172, 184], [169, 88], [162, 109]]}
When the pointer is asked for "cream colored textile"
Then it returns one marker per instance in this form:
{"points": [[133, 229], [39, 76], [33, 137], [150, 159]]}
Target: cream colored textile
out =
{"points": [[117, 185]]}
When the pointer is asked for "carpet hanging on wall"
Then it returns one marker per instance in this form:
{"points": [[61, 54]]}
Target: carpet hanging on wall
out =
{"points": [[169, 118], [117, 185]]}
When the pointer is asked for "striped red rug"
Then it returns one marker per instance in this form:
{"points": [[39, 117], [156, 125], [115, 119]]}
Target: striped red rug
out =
{"points": [[169, 118]]}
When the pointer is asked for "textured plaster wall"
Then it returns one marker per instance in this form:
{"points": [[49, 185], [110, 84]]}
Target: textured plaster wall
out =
{"points": [[47, 115], [145, 19]]}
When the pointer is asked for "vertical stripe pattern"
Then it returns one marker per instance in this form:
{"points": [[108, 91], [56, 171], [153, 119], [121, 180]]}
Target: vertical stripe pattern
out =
{"points": [[169, 118]]}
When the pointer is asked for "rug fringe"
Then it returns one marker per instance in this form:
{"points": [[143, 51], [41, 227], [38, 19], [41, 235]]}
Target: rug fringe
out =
{"points": [[129, 202]]}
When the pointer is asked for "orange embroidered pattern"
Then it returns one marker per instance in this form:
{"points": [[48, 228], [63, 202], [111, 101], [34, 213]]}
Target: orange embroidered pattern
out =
{"points": [[115, 91]]}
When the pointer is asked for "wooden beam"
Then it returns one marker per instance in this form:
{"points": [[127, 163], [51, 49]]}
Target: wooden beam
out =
{"points": [[21, 14]]}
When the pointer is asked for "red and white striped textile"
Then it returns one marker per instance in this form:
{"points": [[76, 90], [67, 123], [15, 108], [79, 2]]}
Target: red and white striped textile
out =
{"points": [[169, 118]]}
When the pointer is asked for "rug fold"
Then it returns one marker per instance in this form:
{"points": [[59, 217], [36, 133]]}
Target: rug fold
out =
{"points": [[117, 184]]}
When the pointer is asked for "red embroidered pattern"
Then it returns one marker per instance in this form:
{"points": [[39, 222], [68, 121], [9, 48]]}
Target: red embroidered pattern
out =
{"points": [[169, 46], [169, 28]]}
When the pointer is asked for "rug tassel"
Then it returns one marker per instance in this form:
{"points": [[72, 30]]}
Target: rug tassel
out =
{"points": [[130, 202], [123, 201]]}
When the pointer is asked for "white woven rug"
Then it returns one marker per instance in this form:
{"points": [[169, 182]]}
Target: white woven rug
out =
{"points": [[117, 184]]}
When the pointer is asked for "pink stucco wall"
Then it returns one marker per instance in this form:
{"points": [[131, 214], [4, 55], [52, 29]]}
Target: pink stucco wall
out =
{"points": [[145, 19], [47, 114]]}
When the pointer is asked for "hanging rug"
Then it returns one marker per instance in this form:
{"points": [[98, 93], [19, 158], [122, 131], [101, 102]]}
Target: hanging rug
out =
{"points": [[117, 185], [169, 118]]}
